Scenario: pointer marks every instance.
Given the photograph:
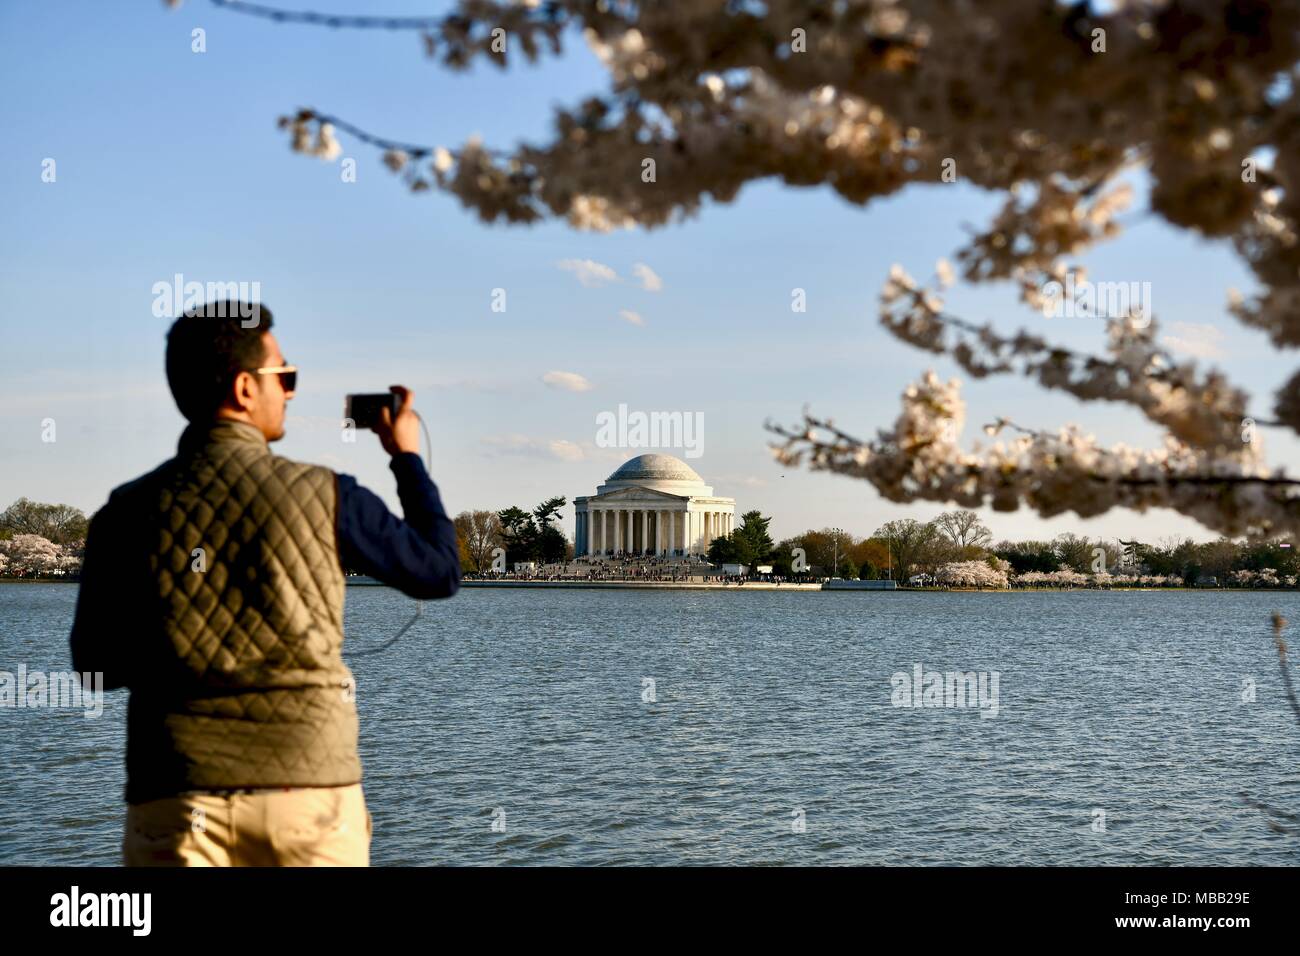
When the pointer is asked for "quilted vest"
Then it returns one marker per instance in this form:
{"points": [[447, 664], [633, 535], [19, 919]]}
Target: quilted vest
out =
{"points": [[242, 682]]}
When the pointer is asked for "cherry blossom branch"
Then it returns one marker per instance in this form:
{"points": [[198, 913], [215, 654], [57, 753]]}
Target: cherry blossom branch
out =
{"points": [[1201, 409], [919, 459], [305, 116], [359, 22], [846, 445]]}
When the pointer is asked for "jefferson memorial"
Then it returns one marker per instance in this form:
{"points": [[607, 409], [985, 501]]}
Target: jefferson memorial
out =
{"points": [[653, 504]]}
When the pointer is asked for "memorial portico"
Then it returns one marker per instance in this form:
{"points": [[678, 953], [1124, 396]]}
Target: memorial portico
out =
{"points": [[653, 504]]}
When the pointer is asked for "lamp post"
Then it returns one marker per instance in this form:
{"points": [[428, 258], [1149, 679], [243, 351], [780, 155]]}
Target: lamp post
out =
{"points": [[835, 566]]}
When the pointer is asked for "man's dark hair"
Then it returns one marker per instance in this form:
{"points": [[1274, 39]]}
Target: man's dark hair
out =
{"points": [[207, 347]]}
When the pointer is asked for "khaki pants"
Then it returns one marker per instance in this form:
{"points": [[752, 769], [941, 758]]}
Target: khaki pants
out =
{"points": [[304, 826]]}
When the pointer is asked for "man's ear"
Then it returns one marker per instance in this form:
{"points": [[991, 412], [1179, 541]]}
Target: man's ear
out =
{"points": [[243, 391]]}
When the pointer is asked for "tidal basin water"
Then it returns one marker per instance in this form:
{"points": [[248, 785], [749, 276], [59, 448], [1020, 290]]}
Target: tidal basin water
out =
{"points": [[771, 737]]}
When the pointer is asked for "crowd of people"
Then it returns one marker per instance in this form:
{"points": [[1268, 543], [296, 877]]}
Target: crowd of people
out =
{"points": [[692, 569]]}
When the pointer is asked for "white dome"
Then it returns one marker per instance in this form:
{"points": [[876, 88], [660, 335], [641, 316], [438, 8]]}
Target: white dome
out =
{"points": [[659, 473], [655, 468]]}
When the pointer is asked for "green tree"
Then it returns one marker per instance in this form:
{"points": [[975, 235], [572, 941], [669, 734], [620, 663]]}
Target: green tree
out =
{"points": [[782, 558], [62, 524], [912, 544], [550, 545], [534, 536], [1075, 552], [724, 550], [517, 534], [479, 533], [753, 543], [828, 546], [964, 530], [1025, 556]]}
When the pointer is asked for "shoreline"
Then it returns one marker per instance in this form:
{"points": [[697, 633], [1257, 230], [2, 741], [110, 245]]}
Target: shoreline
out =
{"points": [[767, 586], [642, 585]]}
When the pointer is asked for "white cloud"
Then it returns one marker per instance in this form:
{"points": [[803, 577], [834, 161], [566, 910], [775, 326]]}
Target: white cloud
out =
{"points": [[589, 272], [632, 318], [650, 281], [566, 450], [1198, 341], [569, 381], [528, 447]]}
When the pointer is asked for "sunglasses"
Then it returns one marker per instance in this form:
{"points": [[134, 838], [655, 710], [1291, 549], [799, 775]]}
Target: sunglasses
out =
{"points": [[288, 375]]}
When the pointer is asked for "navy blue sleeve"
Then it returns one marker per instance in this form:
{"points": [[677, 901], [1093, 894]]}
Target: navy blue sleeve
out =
{"points": [[420, 555], [98, 642]]}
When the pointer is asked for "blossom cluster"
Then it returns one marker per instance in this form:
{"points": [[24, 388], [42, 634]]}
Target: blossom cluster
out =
{"points": [[24, 555], [1263, 578], [1051, 472], [971, 574], [1066, 578]]}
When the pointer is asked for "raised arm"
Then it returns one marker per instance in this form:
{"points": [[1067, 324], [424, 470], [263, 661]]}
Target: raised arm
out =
{"points": [[419, 556]]}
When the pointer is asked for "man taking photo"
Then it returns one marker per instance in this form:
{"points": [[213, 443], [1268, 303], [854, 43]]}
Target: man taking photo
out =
{"points": [[212, 588]]}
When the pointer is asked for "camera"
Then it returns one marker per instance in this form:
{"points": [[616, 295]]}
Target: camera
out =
{"points": [[363, 410]]}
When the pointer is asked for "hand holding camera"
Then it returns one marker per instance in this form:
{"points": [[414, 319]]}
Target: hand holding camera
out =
{"points": [[390, 415]]}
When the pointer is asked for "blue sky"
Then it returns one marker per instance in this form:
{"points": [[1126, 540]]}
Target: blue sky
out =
{"points": [[169, 162]]}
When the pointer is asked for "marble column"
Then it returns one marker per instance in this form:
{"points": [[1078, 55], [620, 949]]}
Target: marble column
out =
{"points": [[686, 529]]}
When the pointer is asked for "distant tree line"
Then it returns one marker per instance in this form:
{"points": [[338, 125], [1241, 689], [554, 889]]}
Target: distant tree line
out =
{"points": [[60, 524], [514, 535], [947, 547], [39, 539]]}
